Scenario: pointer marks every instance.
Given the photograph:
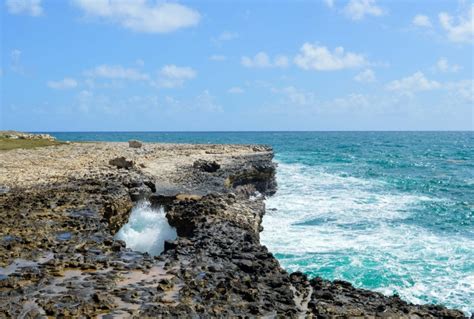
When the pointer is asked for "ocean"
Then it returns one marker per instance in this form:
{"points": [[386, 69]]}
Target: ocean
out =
{"points": [[386, 211]]}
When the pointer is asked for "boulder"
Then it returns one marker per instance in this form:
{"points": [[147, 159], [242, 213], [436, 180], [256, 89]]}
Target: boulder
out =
{"points": [[121, 162], [134, 144]]}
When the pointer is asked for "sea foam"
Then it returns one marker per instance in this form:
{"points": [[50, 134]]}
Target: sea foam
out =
{"points": [[147, 229], [362, 231]]}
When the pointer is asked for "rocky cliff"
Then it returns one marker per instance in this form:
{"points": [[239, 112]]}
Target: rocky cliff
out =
{"points": [[61, 206]]}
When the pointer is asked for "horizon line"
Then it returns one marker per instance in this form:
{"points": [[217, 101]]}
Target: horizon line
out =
{"points": [[248, 131]]}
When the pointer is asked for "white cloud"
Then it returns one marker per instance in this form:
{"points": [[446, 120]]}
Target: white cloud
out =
{"points": [[141, 15], [298, 97], [413, 83], [116, 72], [281, 61], [459, 29], [329, 3], [172, 76], [365, 76], [353, 102], [421, 20], [235, 90], [358, 9], [262, 60], [217, 57], [314, 57], [462, 90], [66, 83], [206, 102], [29, 7], [444, 66]]}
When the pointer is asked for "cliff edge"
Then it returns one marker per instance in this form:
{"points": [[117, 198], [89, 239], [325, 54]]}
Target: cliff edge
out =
{"points": [[60, 207]]}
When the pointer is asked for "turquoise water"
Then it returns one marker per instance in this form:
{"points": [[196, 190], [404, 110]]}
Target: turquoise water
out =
{"points": [[389, 211]]}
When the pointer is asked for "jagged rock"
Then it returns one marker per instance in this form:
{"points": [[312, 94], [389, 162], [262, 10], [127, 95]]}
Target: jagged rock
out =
{"points": [[121, 162], [59, 257], [134, 144], [206, 166]]}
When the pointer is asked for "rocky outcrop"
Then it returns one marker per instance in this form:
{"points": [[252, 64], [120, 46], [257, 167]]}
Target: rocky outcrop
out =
{"points": [[134, 144], [25, 136], [206, 166], [59, 257], [121, 162]]}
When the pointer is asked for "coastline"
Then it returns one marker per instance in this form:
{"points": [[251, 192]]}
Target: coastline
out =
{"points": [[63, 204]]}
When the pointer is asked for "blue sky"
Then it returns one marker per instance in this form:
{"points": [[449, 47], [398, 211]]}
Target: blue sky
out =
{"points": [[101, 65]]}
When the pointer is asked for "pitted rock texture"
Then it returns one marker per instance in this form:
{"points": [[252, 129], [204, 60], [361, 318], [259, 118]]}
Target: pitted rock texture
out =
{"points": [[61, 206]]}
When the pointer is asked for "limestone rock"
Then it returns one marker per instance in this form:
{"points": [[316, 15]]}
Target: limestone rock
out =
{"points": [[135, 144]]}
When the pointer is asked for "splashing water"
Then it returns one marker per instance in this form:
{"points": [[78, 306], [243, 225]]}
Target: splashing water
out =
{"points": [[147, 229]]}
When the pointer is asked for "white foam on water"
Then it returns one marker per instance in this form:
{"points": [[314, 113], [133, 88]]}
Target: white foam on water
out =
{"points": [[147, 229], [358, 230]]}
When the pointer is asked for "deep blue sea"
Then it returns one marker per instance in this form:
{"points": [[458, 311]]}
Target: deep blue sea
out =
{"points": [[388, 211]]}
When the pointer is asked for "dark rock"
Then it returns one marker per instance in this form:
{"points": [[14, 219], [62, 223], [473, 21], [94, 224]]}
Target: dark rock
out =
{"points": [[121, 162], [134, 144], [206, 166]]}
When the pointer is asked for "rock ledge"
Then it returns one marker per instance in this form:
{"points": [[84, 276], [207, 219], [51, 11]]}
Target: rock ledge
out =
{"points": [[60, 208]]}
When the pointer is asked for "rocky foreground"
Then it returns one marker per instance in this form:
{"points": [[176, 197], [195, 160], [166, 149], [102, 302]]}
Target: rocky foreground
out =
{"points": [[60, 207]]}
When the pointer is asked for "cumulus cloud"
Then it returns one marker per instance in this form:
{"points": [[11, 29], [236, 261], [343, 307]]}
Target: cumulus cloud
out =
{"points": [[142, 15], [459, 29], [66, 83], [172, 76], [28, 7], [235, 90], [421, 20], [414, 83], [117, 72], [358, 9], [365, 76], [263, 60], [320, 58], [444, 66]]}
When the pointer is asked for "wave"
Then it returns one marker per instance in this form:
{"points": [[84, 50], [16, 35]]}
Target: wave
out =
{"points": [[361, 230]]}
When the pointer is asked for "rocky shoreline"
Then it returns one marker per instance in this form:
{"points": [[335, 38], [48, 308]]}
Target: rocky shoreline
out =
{"points": [[60, 207]]}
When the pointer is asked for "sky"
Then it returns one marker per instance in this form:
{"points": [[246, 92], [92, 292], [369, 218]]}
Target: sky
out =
{"points": [[143, 65]]}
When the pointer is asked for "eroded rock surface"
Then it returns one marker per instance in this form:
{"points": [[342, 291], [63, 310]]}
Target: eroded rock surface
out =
{"points": [[61, 206]]}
